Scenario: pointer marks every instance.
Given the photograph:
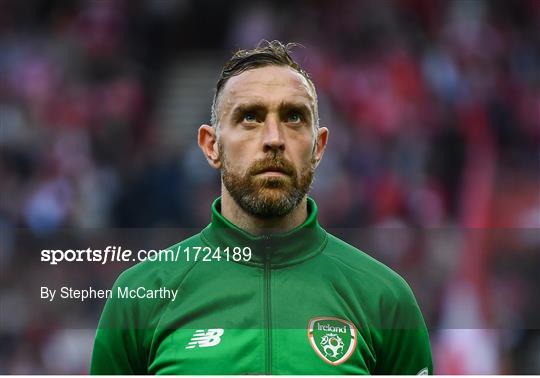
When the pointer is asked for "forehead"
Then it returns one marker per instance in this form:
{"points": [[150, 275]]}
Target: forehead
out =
{"points": [[270, 84]]}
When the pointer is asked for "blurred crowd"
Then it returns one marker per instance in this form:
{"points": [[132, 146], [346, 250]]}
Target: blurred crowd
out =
{"points": [[432, 166]]}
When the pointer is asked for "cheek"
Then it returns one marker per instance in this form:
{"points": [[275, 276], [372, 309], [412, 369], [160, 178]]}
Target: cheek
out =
{"points": [[306, 150], [303, 159], [235, 156]]}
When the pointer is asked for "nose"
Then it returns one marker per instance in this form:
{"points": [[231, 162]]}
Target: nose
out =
{"points": [[273, 138]]}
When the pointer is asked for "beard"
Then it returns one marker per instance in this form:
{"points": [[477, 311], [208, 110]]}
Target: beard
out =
{"points": [[268, 196]]}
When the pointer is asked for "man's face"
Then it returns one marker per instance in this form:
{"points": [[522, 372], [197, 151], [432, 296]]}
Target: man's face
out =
{"points": [[267, 140]]}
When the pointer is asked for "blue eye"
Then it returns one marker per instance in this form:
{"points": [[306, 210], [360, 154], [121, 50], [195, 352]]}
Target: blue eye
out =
{"points": [[294, 118], [250, 117]]}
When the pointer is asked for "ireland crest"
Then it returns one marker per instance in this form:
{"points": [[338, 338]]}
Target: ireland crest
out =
{"points": [[333, 339]]}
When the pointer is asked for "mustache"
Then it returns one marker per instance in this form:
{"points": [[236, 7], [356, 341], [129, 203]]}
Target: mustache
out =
{"points": [[276, 163]]}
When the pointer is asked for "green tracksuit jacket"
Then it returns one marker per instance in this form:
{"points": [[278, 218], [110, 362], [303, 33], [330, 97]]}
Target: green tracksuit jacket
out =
{"points": [[304, 302]]}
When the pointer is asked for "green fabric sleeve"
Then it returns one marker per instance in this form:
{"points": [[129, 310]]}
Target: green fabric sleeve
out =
{"points": [[405, 346], [117, 345]]}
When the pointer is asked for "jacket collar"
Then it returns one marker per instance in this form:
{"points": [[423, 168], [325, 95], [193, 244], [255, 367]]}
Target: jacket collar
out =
{"points": [[278, 250]]}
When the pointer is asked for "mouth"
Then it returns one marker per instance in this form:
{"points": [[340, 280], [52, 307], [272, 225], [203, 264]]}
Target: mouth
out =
{"points": [[273, 171], [272, 174]]}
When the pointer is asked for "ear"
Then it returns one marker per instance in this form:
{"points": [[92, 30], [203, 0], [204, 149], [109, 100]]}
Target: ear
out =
{"points": [[320, 144], [207, 139]]}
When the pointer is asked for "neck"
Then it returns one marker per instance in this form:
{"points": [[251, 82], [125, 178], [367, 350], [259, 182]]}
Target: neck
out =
{"points": [[259, 226]]}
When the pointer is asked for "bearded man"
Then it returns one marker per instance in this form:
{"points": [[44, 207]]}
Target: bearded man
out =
{"points": [[264, 289]]}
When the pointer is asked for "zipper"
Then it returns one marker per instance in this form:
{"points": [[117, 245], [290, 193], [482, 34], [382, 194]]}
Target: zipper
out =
{"points": [[268, 307]]}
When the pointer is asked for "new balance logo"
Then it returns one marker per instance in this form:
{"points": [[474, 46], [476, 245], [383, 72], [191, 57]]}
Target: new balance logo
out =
{"points": [[204, 339]]}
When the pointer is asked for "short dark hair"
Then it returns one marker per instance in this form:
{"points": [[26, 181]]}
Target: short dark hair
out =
{"points": [[266, 53]]}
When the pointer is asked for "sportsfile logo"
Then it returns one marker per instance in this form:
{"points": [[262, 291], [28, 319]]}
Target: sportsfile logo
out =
{"points": [[205, 338]]}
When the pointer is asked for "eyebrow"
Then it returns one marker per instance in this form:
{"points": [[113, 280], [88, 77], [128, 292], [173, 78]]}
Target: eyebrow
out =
{"points": [[247, 107], [258, 106]]}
